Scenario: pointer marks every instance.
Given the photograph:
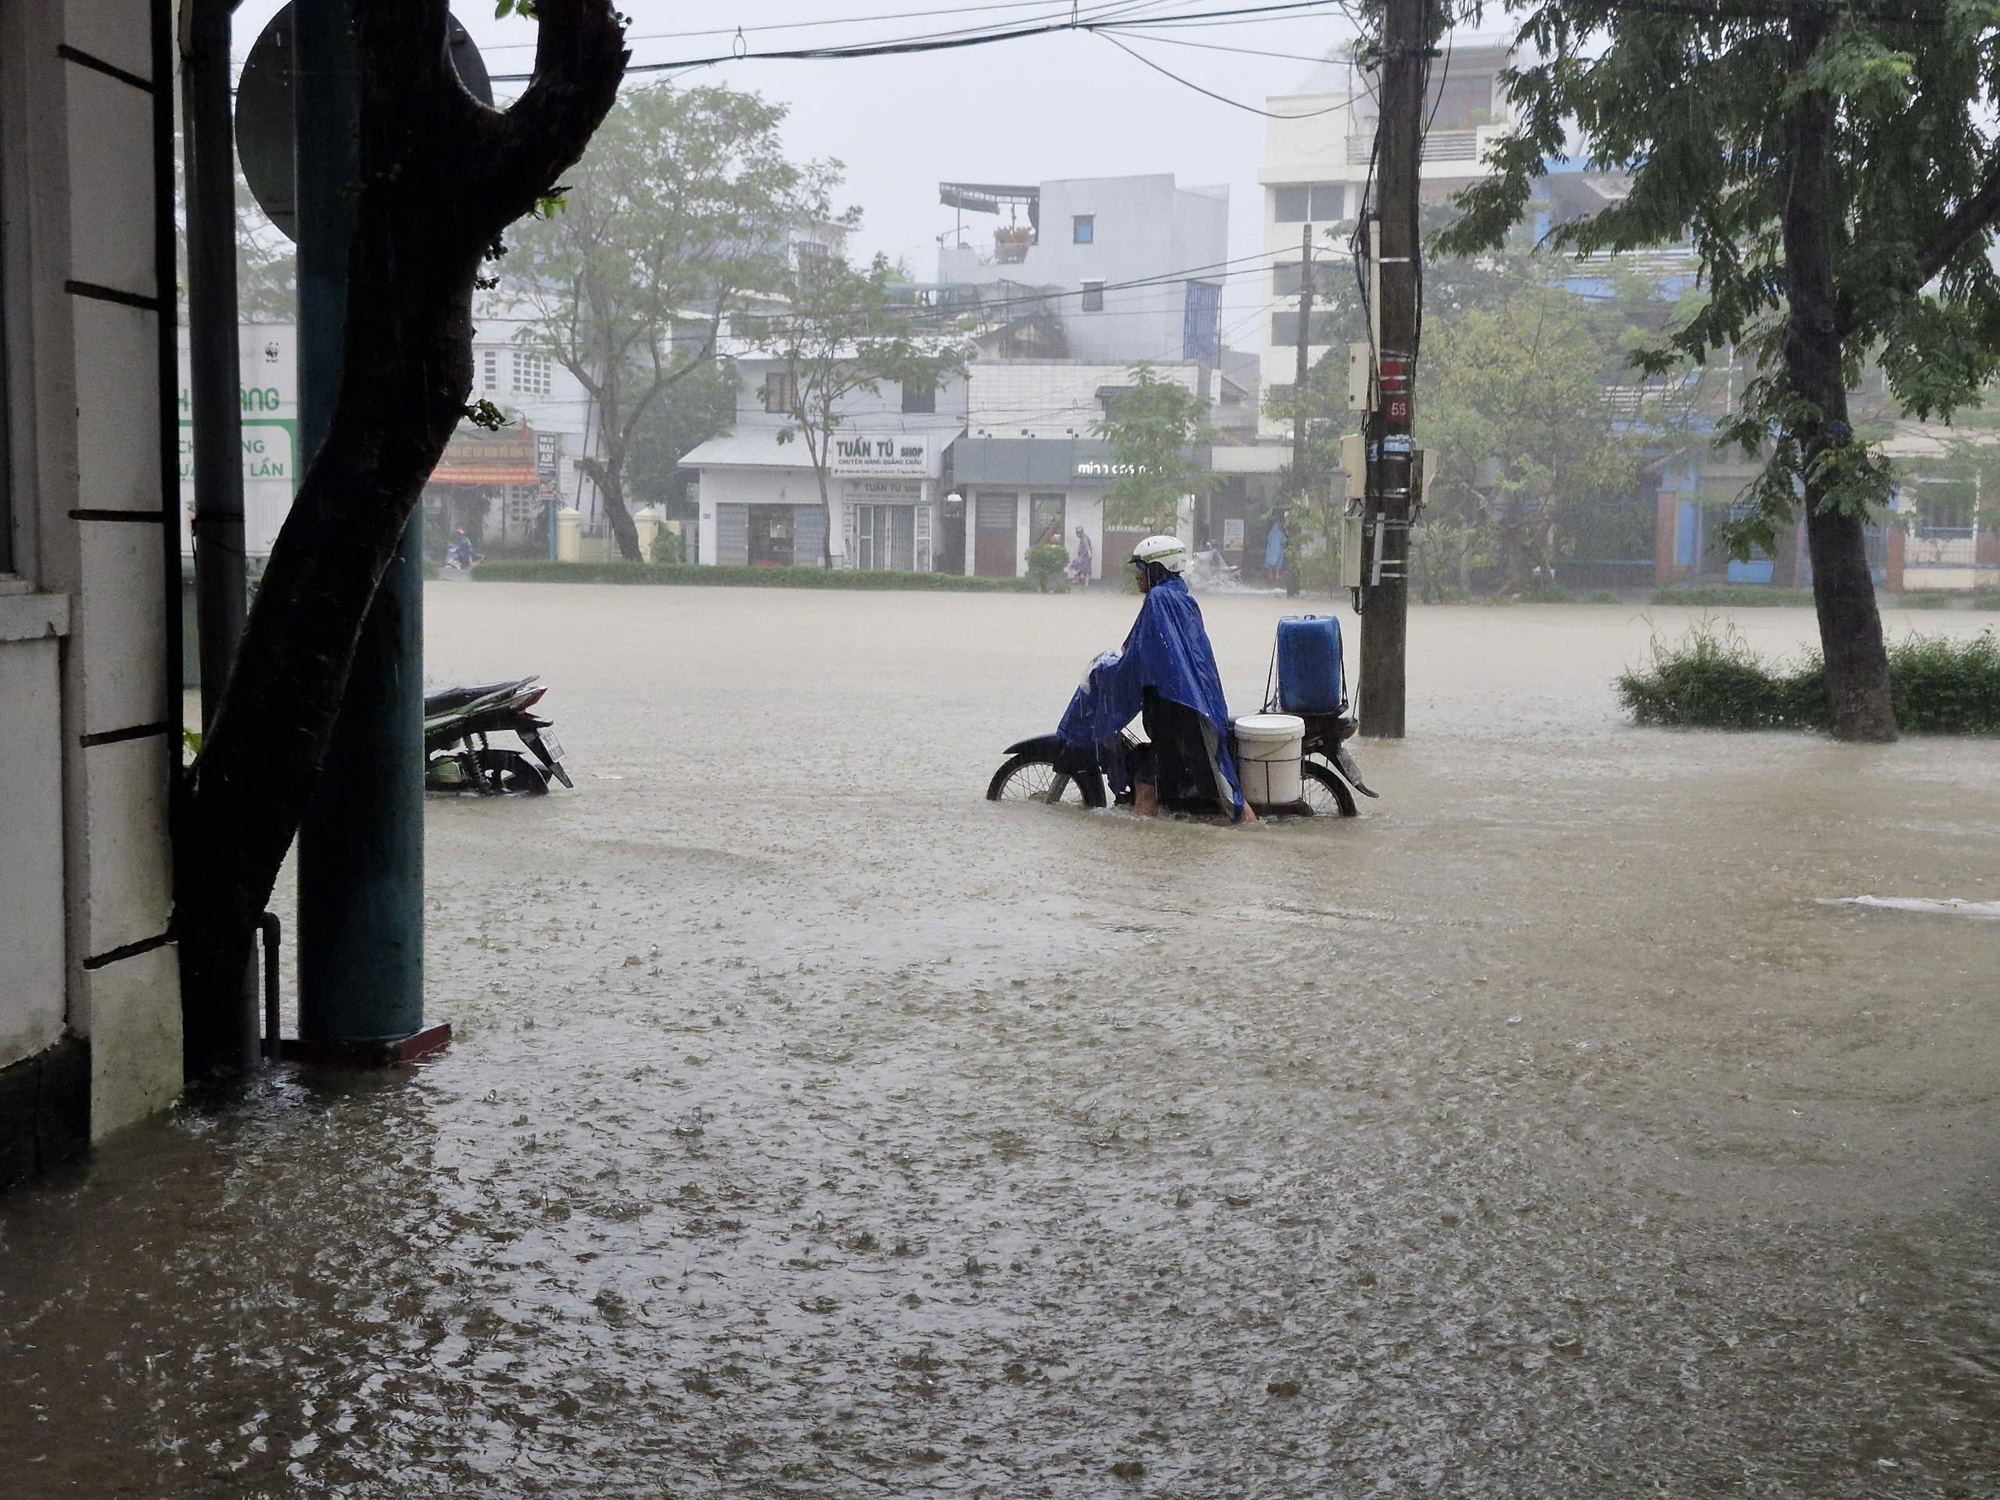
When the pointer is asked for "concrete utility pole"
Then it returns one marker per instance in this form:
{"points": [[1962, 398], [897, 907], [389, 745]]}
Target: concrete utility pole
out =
{"points": [[1299, 482], [361, 844], [1391, 468]]}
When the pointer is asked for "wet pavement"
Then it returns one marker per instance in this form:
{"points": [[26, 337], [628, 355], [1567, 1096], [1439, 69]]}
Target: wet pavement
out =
{"points": [[815, 1128]]}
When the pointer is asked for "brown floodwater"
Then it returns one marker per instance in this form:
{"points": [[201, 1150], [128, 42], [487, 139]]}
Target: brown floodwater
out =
{"points": [[817, 1128]]}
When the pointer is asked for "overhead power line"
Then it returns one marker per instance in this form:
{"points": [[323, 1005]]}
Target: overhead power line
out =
{"points": [[1210, 93], [1053, 7], [953, 41]]}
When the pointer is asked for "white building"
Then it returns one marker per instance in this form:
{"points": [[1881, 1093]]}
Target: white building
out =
{"points": [[90, 1022], [1137, 263], [1029, 471], [759, 500], [1318, 156], [543, 398]]}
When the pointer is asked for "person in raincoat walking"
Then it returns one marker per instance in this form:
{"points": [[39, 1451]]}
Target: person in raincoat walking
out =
{"points": [[1164, 673]]}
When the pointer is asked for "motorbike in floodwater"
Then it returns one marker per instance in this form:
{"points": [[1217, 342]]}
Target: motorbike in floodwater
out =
{"points": [[459, 756], [1045, 769], [1306, 688]]}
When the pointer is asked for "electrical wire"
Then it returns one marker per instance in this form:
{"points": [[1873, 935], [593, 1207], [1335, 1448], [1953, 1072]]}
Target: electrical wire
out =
{"points": [[1052, 6], [949, 41], [1251, 109]]}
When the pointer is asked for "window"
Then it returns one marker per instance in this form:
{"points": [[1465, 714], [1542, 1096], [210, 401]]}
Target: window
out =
{"points": [[1083, 229], [1323, 203], [531, 373], [1461, 103], [781, 393], [1093, 296], [919, 398], [1045, 521], [489, 370], [1285, 327]]}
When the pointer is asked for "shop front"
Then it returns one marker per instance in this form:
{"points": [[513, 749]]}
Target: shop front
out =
{"points": [[888, 502], [1031, 492], [760, 507]]}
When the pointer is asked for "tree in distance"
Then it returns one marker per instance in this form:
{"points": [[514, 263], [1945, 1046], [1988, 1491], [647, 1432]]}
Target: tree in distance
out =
{"points": [[676, 217], [441, 176], [1153, 429], [842, 332], [1836, 173], [1517, 430]]}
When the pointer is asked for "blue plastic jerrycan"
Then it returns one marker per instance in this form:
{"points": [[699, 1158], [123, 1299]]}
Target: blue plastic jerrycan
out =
{"points": [[1311, 675]]}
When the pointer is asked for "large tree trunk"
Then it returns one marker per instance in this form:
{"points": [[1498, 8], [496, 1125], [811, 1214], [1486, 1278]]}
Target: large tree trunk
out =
{"points": [[1850, 626], [441, 177], [608, 477]]}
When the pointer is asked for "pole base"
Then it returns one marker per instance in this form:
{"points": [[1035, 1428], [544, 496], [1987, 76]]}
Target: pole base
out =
{"points": [[392, 1052]]}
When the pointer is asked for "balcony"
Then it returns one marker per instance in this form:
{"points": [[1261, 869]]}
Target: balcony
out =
{"points": [[1443, 149]]}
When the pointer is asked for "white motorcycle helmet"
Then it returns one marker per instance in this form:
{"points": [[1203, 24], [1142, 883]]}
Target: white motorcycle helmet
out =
{"points": [[1170, 552]]}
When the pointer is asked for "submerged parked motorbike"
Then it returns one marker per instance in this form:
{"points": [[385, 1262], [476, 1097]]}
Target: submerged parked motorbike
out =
{"points": [[459, 756], [1309, 673]]}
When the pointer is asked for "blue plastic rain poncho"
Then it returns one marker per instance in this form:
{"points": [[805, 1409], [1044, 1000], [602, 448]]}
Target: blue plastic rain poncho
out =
{"points": [[1167, 651]]}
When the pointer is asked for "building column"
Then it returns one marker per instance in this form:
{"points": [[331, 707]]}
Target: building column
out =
{"points": [[1893, 572], [1666, 537]]}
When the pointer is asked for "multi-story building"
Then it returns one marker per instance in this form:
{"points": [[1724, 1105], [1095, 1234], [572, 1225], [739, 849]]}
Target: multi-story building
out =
{"points": [[1319, 155], [90, 1022], [1131, 268]]}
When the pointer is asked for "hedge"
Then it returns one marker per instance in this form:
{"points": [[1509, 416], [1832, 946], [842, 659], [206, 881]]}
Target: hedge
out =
{"points": [[1713, 680], [1736, 595], [747, 578]]}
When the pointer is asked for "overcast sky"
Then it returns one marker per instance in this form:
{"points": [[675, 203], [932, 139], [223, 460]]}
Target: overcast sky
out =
{"points": [[1067, 105]]}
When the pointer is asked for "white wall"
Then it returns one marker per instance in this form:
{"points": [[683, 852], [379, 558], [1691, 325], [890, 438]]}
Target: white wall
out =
{"points": [[1142, 227], [89, 737], [1049, 398]]}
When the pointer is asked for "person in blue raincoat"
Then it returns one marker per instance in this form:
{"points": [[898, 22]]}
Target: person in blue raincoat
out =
{"points": [[1164, 673]]}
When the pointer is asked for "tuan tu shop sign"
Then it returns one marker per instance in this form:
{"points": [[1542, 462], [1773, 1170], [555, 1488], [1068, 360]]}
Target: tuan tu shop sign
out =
{"points": [[882, 453]]}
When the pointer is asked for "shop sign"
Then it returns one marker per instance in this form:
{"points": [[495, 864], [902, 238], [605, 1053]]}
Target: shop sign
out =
{"points": [[882, 453], [1100, 468]]}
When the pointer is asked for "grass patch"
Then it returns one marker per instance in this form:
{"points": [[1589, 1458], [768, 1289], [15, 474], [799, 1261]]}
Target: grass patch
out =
{"points": [[1711, 679], [745, 578], [1735, 596]]}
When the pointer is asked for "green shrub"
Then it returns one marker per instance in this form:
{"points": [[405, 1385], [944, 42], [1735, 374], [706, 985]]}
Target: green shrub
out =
{"points": [[1945, 684], [732, 577], [1601, 596], [1046, 561], [1734, 595], [1711, 679], [1546, 593], [1922, 599]]}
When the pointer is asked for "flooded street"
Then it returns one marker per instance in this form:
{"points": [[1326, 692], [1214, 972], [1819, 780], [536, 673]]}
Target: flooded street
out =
{"points": [[815, 1127]]}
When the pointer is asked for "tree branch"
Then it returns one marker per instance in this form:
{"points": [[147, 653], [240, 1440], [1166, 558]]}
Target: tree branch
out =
{"points": [[1970, 217]]}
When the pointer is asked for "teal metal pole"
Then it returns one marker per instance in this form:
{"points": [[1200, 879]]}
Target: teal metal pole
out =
{"points": [[361, 845]]}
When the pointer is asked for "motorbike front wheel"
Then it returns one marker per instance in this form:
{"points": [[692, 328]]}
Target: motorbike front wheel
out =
{"points": [[1033, 778], [1326, 794]]}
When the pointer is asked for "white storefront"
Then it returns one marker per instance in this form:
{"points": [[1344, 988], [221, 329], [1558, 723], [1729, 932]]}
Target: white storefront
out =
{"points": [[760, 503]]}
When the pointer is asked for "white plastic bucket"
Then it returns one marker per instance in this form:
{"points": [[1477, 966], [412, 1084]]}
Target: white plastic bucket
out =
{"points": [[1269, 751]]}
